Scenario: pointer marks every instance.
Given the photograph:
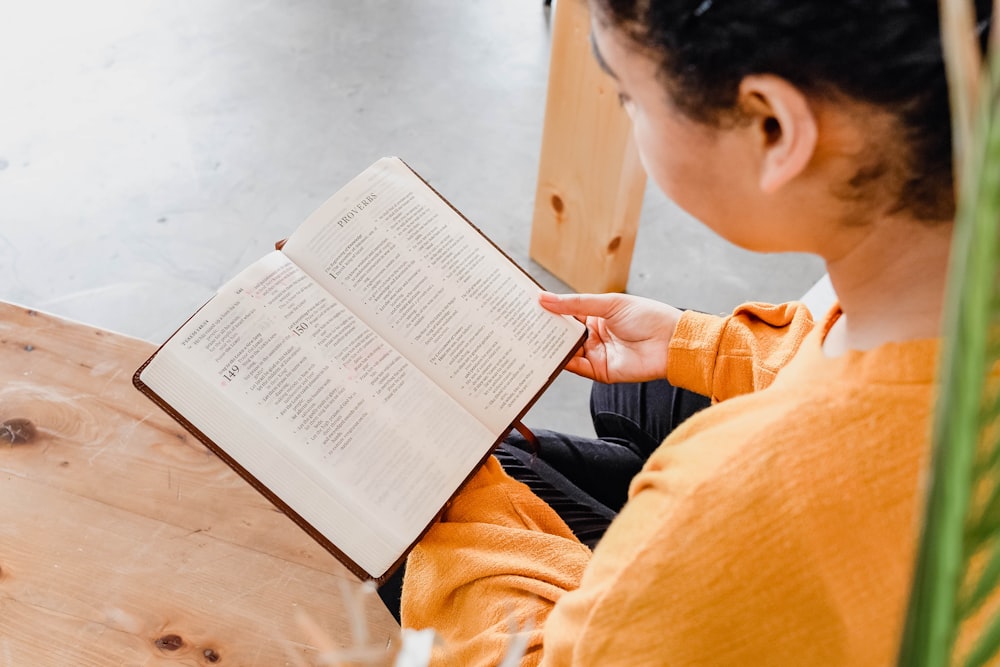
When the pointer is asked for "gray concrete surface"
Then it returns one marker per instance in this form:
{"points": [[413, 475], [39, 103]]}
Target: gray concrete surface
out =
{"points": [[149, 149]]}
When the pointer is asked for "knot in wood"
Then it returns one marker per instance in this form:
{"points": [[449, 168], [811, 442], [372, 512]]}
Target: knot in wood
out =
{"points": [[210, 655], [557, 204], [17, 430], [169, 642]]}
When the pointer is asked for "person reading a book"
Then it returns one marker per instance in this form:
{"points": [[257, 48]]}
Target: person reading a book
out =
{"points": [[780, 524]]}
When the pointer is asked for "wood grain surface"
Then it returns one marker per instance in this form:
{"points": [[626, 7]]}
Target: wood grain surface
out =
{"points": [[590, 181], [124, 541]]}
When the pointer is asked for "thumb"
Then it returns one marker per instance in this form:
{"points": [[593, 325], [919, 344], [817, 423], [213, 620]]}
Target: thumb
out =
{"points": [[581, 305]]}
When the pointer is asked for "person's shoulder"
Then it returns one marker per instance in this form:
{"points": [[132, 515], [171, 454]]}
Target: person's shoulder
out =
{"points": [[789, 442]]}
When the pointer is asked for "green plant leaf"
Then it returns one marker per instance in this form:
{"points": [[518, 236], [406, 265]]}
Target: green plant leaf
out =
{"points": [[959, 547]]}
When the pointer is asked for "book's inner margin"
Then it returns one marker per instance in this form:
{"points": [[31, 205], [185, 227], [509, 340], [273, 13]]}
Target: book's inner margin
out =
{"points": [[345, 430]]}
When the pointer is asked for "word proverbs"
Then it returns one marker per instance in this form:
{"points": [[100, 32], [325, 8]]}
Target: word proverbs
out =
{"points": [[361, 205]]}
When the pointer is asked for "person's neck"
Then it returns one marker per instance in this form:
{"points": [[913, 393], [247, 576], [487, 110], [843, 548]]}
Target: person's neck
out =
{"points": [[890, 285]]}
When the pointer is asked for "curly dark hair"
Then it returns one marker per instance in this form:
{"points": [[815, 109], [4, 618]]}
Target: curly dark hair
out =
{"points": [[886, 53]]}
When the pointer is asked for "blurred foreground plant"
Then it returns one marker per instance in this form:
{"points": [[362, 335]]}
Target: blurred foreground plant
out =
{"points": [[412, 648], [958, 568]]}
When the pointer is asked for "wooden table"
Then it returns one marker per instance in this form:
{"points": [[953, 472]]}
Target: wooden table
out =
{"points": [[123, 540]]}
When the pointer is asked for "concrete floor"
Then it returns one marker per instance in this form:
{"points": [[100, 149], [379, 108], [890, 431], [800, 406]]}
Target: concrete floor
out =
{"points": [[149, 150]]}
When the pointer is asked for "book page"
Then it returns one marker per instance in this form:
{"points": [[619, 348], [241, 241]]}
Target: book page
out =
{"points": [[330, 402], [409, 265]]}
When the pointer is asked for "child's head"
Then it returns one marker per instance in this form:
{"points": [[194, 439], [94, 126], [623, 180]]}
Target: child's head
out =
{"points": [[879, 60]]}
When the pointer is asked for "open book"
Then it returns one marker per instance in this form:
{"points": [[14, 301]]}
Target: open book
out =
{"points": [[360, 374]]}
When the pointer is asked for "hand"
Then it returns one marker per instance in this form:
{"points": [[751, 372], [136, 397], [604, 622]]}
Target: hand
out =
{"points": [[629, 335]]}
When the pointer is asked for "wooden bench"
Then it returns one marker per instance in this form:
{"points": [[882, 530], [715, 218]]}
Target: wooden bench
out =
{"points": [[590, 181], [123, 540]]}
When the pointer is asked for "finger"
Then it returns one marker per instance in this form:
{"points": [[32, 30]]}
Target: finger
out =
{"points": [[549, 302], [581, 366], [581, 305]]}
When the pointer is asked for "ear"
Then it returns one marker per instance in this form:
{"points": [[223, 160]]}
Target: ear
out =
{"points": [[784, 126]]}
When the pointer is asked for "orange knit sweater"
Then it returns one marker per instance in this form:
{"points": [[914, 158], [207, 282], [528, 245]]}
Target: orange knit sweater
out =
{"points": [[777, 527]]}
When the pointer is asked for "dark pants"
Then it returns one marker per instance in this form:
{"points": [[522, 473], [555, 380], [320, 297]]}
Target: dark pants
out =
{"points": [[585, 480]]}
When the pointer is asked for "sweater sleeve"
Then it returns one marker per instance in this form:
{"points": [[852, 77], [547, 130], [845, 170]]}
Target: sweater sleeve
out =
{"points": [[706, 576], [494, 565], [722, 357]]}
